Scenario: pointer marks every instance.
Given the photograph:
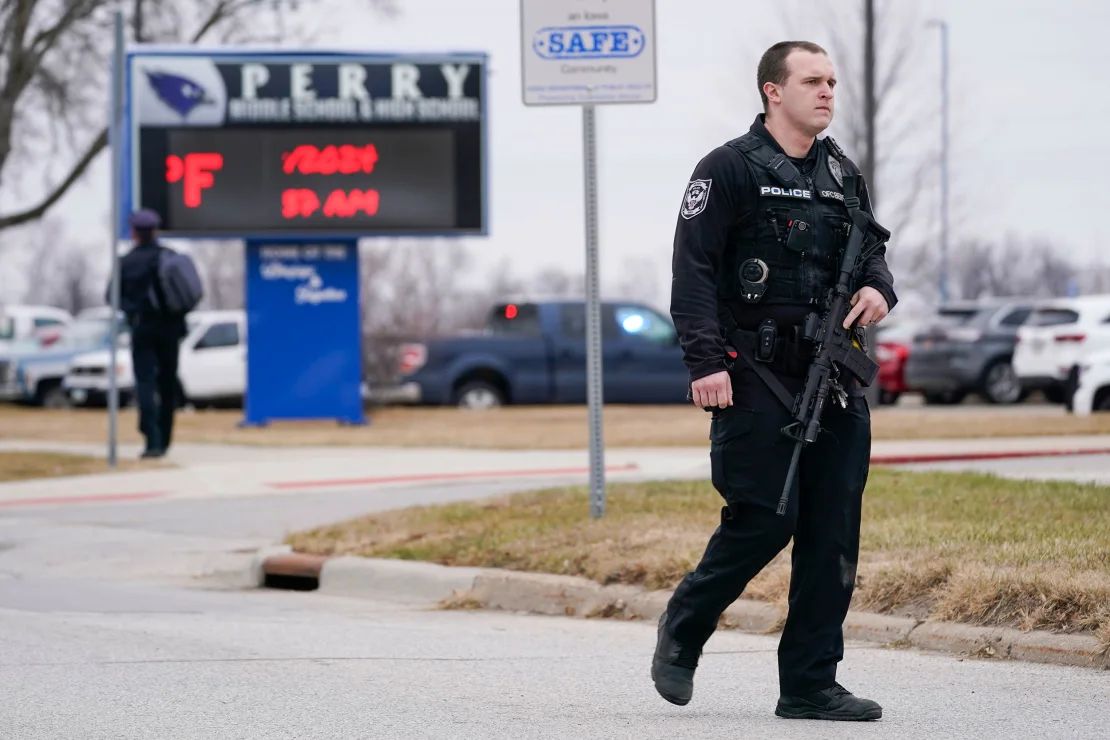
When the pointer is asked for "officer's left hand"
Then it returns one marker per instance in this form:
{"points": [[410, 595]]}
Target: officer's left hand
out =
{"points": [[869, 306]]}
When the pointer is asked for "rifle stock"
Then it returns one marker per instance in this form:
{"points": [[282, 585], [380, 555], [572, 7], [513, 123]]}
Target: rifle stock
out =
{"points": [[833, 343]]}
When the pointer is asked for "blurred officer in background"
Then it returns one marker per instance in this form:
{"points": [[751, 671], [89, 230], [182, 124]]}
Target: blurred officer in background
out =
{"points": [[757, 249], [155, 333]]}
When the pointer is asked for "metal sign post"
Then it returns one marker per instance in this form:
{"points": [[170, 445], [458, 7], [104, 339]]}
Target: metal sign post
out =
{"points": [[115, 118], [588, 53], [594, 396]]}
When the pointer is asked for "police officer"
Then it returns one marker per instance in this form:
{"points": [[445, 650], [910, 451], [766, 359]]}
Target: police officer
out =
{"points": [[155, 334], [756, 250]]}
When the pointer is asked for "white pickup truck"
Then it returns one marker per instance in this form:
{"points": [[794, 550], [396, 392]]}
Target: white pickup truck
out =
{"points": [[212, 364]]}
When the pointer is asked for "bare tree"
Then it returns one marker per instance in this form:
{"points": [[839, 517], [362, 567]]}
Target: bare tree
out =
{"points": [[556, 283], [222, 267], [59, 273], [636, 281], [73, 289], [52, 86], [415, 286], [1050, 271], [1015, 266], [1095, 277], [502, 282], [413, 289]]}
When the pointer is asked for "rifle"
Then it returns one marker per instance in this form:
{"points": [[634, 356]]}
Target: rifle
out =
{"points": [[833, 344]]}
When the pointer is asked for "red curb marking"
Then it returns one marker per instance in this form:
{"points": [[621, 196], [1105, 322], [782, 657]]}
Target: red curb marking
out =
{"points": [[418, 477], [91, 499], [953, 457]]}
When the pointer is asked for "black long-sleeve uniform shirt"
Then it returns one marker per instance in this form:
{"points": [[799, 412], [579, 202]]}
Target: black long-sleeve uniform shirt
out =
{"points": [[700, 242]]}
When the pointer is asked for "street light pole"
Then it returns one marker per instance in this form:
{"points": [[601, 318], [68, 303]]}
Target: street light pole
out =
{"points": [[115, 145], [943, 25]]}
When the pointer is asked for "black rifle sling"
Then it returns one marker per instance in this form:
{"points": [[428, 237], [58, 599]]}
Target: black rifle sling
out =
{"points": [[851, 193], [747, 351]]}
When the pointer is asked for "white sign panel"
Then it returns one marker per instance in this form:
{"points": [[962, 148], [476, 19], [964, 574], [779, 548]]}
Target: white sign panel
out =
{"points": [[587, 51]]}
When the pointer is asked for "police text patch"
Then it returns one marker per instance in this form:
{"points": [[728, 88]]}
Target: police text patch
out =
{"points": [[787, 192], [696, 198]]}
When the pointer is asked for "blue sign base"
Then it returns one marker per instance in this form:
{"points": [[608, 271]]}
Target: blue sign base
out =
{"points": [[304, 332]]}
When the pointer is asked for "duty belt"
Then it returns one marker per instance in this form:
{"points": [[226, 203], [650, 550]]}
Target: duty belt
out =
{"points": [[791, 356], [792, 362]]}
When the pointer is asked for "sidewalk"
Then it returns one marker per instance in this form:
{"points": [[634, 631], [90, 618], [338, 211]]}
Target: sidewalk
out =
{"points": [[892, 452], [224, 470]]}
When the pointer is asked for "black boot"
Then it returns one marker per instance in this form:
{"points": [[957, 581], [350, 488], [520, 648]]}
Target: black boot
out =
{"points": [[835, 702], [673, 666]]}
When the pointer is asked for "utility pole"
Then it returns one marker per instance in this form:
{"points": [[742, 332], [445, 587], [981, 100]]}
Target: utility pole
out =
{"points": [[943, 286], [944, 162], [870, 105], [870, 112], [115, 130]]}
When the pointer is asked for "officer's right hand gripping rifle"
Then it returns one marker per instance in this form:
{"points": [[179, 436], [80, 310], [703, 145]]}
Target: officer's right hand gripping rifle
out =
{"points": [[833, 345]]}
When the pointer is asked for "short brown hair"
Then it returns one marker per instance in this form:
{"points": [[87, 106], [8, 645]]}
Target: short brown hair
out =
{"points": [[772, 66]]}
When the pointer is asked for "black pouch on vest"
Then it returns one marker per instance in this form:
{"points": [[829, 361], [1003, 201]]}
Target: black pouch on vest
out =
{"points": [[799, 232]]}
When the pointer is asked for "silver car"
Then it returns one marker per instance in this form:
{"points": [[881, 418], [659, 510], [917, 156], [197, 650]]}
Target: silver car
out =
{"points": [[968, 347]]}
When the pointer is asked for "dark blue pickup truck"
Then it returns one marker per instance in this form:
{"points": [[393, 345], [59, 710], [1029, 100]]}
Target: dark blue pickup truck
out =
{"points": [[535, 353]]}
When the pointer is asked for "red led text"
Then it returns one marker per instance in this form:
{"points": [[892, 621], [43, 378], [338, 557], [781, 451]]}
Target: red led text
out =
{"points": [[302, 203], [299, 202], [196, 171], [346, 159]]}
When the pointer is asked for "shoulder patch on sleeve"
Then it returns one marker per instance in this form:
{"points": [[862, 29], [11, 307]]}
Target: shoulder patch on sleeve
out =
{"points": [[696, 197], [837, 173]]}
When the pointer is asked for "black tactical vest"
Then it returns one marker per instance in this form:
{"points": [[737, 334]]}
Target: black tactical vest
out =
{"points": [[799, 227]]}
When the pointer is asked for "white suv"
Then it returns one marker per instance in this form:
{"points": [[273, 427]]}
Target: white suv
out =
{"points": [[1092, 385], [1055, 337], [212, 364]]}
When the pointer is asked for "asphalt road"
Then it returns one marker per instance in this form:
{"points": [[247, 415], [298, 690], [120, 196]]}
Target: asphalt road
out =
{"points": [[108, 631]]}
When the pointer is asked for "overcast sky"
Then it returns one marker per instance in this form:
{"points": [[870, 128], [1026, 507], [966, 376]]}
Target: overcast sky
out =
{"points": [[1028, 112]]}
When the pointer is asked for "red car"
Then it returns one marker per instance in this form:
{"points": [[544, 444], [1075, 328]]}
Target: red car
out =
{"points": [[891, 350]]}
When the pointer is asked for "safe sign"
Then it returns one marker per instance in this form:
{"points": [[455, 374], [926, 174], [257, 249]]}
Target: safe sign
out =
{"points": [[588, 42]]}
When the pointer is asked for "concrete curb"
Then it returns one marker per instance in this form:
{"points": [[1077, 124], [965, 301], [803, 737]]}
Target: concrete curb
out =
{"points": [[557, 595], [261, 564], [997, 642], [403, 580]]}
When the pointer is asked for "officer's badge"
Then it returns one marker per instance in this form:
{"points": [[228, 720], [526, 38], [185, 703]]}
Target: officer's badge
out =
{"points": [[837, 173], [696, 198]]}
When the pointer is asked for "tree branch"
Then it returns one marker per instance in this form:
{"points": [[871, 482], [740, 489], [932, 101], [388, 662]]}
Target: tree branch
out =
{"points": [[78, 169], [138, 33], [20, 74], [44, 40], [217, 15], [222, 10], [892, 78], [907, 207]]}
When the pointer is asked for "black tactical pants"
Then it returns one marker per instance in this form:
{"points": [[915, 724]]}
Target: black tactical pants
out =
{"points": [[749, 461], [154, 362]]}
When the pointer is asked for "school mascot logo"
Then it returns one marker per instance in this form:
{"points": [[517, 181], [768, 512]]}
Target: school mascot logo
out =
{"points": [[179, 93], [696, 198]]}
